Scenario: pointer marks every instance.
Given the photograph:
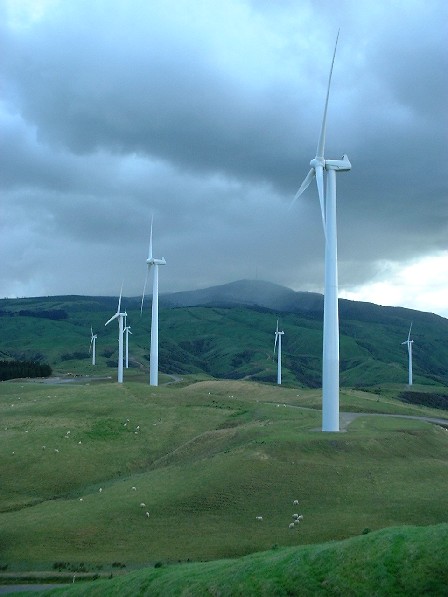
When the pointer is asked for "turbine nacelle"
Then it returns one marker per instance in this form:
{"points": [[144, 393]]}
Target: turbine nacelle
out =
{"points": [[340, 165], [153, 261]]}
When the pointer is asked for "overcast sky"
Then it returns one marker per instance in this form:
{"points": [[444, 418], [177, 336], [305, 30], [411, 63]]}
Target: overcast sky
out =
{"points": [[206, 114]]}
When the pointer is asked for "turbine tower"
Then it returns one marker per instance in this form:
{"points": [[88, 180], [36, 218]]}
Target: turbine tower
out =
{"points": [[127, 331], [154, 263], [409, 342], [119, 315], [278, 336], [93, 345], [327, 199]]}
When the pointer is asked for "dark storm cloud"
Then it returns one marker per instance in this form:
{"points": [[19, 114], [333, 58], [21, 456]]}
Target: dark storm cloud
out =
{"points": [[207, 114]]}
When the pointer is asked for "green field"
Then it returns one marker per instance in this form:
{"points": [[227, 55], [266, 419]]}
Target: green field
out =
{"points": [[206, 458], [402, 561]]}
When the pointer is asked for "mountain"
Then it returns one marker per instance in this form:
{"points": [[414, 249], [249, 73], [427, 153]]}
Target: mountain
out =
{"points": [[250, 293], [227, 331]]}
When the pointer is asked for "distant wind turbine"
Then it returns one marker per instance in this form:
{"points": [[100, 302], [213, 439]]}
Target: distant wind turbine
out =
{"points": [[127, 331], [330, 363], [119, 315], [278, 336], [93, 345], [154, 263], [409, 343]]}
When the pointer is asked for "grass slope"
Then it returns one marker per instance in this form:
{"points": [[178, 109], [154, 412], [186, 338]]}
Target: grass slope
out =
{"points": [[398, 561], [206, 459]]}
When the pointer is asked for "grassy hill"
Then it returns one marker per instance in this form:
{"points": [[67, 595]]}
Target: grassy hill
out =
{"points": [[208, 332], [206, 459], [400, 561]]}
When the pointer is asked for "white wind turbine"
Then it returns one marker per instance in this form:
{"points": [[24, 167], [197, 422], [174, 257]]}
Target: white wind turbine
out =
{"points": [[154, 349], [278, 337], [93, 345], [330, 363], [118, 315], [127, 331], [409, 343]]}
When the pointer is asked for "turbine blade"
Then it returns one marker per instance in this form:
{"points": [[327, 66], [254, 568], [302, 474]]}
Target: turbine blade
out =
{"points": [[321, 144], [305, 184], [144, 291], [112, 318], [410, 328], [119, 300], [320, 190], [150, 239]]}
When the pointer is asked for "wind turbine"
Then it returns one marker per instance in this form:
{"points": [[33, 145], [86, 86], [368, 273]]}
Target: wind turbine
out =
{"points": [[154, 263], [93, 345], [327, 199], [127, 331], [278, 336], [119, 315], [409, 342]]}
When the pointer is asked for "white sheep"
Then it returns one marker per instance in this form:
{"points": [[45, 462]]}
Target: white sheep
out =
{"points": [[134, 488], [300, 517], [259, 518], [291, 525], [142, 505], [147, 514], [295, 502], [295, 516], [100, 489]]}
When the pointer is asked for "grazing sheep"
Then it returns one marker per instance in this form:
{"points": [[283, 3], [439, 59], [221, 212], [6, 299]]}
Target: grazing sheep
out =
{"points": [[295, 516], [81, 500], [291, 525], [79, 443], [295, 502], [147, 514], [100, 489], [134, 488], [56, 450], [259, 517], [300, 517], [142, 505]]}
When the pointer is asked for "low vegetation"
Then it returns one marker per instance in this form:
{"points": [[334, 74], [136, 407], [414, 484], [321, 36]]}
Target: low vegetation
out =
{"points": [[398, 561], [18, 369]]}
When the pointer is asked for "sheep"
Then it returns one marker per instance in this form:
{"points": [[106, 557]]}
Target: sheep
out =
{"points": [[100, 489], [56, 450], [79, 443], [81, 500], [142, 505], [259, 518], [295, 502], [147, 514], [295, 516], [134, 488], [291, 525], [300, 517]]}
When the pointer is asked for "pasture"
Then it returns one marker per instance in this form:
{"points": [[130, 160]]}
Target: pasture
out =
{"points": [[205, 458]]}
